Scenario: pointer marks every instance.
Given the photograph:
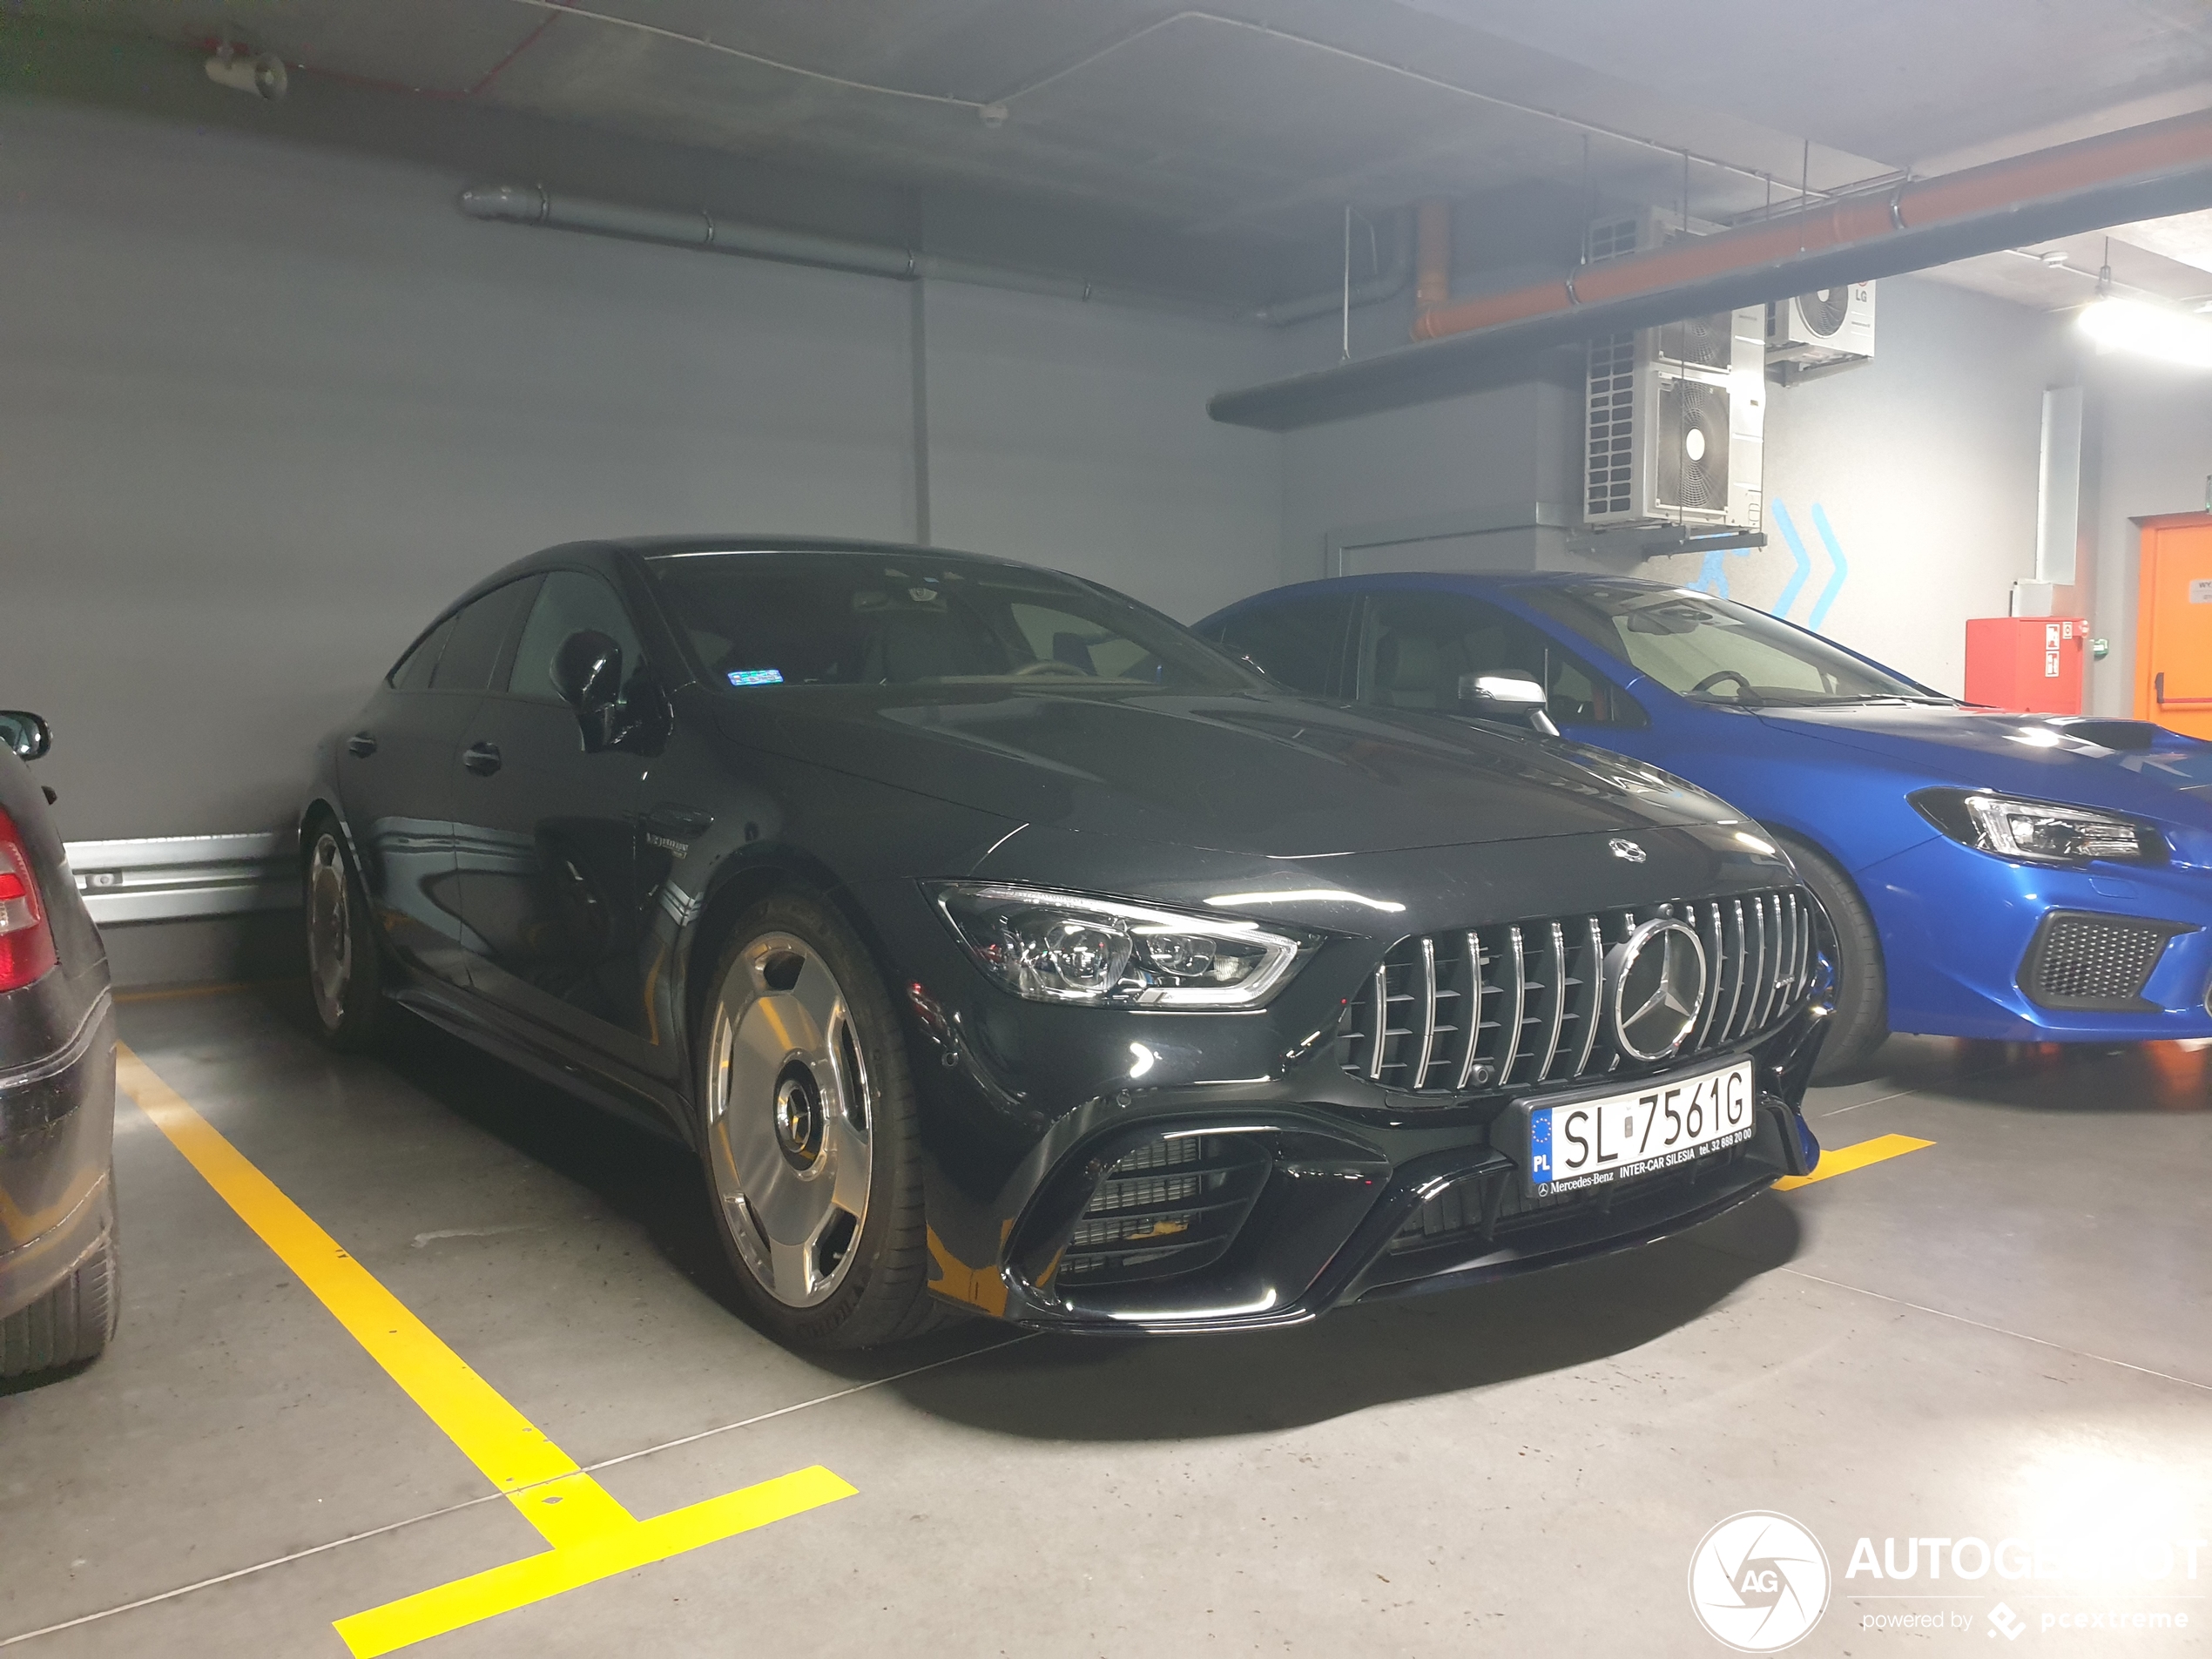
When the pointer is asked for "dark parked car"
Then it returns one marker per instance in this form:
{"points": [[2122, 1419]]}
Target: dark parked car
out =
{"points": [[58, 1265], [1989, 875], [986, 934]]}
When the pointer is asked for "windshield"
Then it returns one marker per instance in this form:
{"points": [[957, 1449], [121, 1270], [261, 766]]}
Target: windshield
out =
{"points": [[1716, 651], [756, 620]]}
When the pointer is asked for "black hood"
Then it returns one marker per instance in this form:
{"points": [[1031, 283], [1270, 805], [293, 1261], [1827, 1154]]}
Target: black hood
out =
{"points": [[1246, 773]]}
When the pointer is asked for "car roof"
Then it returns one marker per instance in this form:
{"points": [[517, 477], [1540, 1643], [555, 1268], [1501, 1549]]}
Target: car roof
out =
{"points": [[1469, 581], [600, 554]]}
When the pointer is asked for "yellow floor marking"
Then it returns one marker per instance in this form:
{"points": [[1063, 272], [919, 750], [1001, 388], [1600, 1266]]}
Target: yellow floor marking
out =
{"points": [[171, 993], [592, 1535], [1842, 1160]]}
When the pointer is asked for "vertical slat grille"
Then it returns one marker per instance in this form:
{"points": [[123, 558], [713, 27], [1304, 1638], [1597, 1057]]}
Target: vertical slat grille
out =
{"points": [[1519, 1004]]}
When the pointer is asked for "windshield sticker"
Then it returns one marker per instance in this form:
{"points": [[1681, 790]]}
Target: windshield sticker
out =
{"points": [[756, 677]]}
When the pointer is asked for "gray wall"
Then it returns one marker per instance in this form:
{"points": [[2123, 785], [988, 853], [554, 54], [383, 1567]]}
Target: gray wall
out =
{"points": [[2154, 424], [266, 407], [1486, 460], [1925, 464]]}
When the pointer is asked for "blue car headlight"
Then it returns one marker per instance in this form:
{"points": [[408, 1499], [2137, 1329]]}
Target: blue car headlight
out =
{"points": [[2039, 832], [1053, 947]]}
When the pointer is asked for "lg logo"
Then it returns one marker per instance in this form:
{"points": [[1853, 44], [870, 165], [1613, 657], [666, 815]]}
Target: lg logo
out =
{"points": [[1759, 1581]]}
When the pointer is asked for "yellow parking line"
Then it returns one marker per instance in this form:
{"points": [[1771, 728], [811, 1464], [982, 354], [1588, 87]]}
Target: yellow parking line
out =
{"points": [[1842, 1160], [592, 1535]]}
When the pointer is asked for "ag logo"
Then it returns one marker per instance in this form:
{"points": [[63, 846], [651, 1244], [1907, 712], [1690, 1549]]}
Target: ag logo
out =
{"points": [[1759, 1581]]}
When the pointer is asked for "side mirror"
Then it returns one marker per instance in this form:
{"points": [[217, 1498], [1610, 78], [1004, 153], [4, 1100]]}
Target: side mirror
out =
{"points": [[587, 673], [25, 733], [1507, 697]]}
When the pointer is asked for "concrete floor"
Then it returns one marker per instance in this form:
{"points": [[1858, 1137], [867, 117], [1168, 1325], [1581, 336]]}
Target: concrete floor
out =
{"points": [[2005, 1334]]}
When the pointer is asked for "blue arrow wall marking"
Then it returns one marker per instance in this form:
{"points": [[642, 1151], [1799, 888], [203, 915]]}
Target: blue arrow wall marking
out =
{"points": [[1799, 576], [1835, 582]]}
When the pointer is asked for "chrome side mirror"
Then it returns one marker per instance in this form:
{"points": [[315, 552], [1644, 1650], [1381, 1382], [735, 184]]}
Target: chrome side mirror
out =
{"points": [[26, 733], [1507, 697]]}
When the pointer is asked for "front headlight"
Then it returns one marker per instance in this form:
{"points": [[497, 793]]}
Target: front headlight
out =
{"points": [[2038, 832], [1061, 947]]}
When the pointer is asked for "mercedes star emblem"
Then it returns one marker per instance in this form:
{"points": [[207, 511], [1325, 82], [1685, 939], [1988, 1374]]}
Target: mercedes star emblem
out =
{"points": [[1654, 988], [1623, 849]]}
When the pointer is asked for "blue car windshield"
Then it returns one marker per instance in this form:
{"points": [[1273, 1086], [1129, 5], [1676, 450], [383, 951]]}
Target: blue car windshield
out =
{"points": [[765, 619], [1715, 650]]}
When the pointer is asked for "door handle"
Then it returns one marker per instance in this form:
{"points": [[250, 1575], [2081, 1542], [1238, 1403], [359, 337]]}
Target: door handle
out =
{"points": [[483, 758], [361, 744], [2158, 690], [677, 822]]}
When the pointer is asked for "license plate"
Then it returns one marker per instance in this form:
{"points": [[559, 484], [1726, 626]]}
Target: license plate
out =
{"points": [[1581, 1143]]}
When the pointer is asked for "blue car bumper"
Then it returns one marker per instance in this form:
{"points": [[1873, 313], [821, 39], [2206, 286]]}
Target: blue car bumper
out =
{"points": [[1958, 926]]}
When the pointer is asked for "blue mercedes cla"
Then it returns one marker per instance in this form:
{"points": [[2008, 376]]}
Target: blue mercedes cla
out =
{"points": [[1984, 875]]}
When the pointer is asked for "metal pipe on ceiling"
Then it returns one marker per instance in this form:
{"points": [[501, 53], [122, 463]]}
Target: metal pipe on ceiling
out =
{"points": [[2149, 171], [1998, 187], [534, 205]]}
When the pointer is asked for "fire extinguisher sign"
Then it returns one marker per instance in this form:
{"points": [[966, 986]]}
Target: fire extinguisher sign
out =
{"points": [[2050, 665], [2050, 635]]}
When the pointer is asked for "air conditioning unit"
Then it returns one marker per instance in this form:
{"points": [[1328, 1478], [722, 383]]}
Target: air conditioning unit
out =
{"points": [[1675, 418], [1831, 327]]}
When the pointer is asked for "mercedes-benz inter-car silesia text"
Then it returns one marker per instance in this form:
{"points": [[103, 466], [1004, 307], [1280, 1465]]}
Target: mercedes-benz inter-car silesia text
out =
{"points": [[996, 943]]}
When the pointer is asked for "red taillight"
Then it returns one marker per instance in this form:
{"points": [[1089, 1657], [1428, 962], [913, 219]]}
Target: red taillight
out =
{"points": [[26, 942]]}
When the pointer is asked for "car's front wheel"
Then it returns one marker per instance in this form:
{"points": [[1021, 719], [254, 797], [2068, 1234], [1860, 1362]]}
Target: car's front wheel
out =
{"points": [[1861, 1022], [345, 973], [809, 1138]]}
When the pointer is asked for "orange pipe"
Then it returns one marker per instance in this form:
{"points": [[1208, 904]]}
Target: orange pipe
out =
{"points": [[1432, 256], [2161, 146]]}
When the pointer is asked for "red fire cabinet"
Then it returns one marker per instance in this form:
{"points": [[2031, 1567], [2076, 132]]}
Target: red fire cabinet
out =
{"points": [[2027, 665]]}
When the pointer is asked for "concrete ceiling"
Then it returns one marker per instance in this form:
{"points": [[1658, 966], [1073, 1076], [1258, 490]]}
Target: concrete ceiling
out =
{"points": [[1250, 123]]}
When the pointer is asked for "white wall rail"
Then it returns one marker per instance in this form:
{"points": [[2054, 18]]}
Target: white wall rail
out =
{"points": [[163, 878]]}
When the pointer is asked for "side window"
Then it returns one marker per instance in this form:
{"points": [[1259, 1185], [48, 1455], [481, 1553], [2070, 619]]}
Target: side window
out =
{"points": [[569, 602], [481, 631], [1298, 642], [412, 673], [1415, 647]]}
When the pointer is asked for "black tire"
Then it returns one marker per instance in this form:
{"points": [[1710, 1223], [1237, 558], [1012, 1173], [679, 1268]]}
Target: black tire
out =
{"points": [[72, 1321], [876, 1287], [1861, 1023], [345, 957]]}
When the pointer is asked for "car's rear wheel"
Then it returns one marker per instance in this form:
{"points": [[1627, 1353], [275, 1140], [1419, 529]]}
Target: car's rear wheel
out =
{"points": [[810, 1140], [1861, 1023], [74, 1321], [345, 972]]}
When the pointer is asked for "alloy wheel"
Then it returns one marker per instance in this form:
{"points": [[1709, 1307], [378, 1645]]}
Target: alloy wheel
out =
{"points": [[788, 1106], [330, 930]]}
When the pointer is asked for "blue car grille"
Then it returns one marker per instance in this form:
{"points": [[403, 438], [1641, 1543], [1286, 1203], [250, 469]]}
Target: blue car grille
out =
{"points": [[2081, 960], [1512, 1005]]}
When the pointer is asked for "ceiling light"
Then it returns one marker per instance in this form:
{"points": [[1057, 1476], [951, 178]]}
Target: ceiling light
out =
{"points": [[2149, 331]]}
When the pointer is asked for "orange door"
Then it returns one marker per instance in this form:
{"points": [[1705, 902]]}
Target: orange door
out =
{"points": [[2174, 626]]}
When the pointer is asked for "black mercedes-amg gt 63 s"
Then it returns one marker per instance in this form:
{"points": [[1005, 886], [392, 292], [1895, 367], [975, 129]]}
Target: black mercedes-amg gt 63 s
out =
{"points": [[997, 944]]}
